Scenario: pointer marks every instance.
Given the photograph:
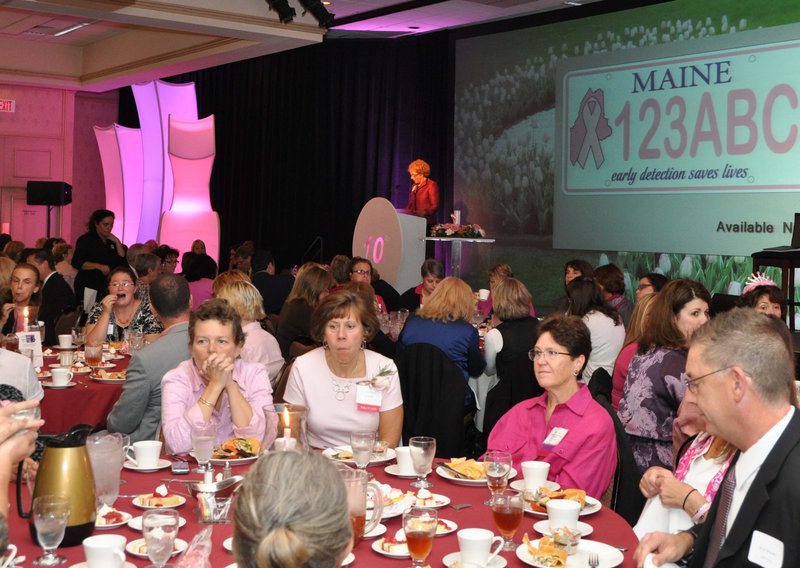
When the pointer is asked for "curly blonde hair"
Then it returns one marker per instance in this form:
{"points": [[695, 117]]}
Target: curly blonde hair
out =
{"points": [[452, 300], [291, 512], [419, 167]]}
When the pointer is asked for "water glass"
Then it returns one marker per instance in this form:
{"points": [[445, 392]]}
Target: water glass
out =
{"points": [[362, 443], [204, 436], [160, 528], [105, 454], [507, 509], [423, 449], [34, 413], [50, 516], [419, 525], [497, 467]]}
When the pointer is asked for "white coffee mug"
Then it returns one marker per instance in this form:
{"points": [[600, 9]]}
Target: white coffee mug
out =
{"points": [[483, 294], [61, 376], [563, 513], [65, 341], [475, 546], [105, 551], [404, 464], [145, 454], [535, 474]]}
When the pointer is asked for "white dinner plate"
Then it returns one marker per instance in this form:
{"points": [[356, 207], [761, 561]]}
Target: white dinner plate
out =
{"points": [[234, 461], [592, 506], [379, 530], [442, 472], [162, 464], [138, 503], [227, 544], [454, 559], [394, 470], [82, 370], [376, 546], [446, 526], [519, 485], [109, 380], [85, 565], [374, 460], [543, 527], [179, 546], [136, 523], [609, 556], [106, 366], [349, 559], [50, 385], [125, 516]]}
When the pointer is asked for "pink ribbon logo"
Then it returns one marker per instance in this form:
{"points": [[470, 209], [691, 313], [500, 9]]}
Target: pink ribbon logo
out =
{"points": [[590, 127]]}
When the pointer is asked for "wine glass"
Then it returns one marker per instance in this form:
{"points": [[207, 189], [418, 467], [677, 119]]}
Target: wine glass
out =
{"points": [[203, 438], [423, 448], [50, 516], [78, 336], [419, 525], [507, 508], [496, 466], [361, 444], [94, 357], [160, 527]]}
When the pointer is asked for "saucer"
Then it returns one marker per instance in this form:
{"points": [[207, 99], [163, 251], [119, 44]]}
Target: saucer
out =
{"points": [[86, 565], [50, 385], [394, 469], [379, 530], [543, 527], [454, 557], [161, 465], [227, 544]]}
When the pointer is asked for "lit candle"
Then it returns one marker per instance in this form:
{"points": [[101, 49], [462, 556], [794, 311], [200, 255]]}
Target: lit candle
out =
{"points": [[286, 442], [25, 318]]}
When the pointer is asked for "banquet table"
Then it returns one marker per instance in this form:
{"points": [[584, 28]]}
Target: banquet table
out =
{"points": [[88, 402], [609, 527]]}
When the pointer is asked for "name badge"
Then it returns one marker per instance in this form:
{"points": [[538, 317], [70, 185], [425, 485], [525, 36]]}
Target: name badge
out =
{"points": [[765, 550], [555, 436], [368, 399]]}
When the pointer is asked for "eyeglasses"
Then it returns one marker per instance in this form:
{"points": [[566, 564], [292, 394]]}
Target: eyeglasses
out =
{"points": [[692, 384], [548, 354], [360, 271], [120, 284]]}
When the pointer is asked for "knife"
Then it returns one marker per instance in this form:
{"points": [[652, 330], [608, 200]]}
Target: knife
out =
{"points": [[455, 472]]}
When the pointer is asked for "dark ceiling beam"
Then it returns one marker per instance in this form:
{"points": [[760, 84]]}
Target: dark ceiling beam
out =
{"points": [[385, 11]]}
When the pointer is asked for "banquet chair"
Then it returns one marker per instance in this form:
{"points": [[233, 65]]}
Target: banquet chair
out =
{"points": [[66, 321], [600, 385], [433, 388], [279, 387]]}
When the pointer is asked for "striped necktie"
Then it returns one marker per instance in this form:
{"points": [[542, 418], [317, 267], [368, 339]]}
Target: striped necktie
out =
{"points": [[721, 520]]}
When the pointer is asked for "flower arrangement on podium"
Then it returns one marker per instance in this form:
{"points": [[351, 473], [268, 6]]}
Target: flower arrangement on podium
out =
{"points": [[454, 231]]}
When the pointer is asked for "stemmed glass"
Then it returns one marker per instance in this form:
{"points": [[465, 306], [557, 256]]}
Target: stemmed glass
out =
{"points": [[423, 448], [507, 508], [50, 516], [94, 357], [78, 336], [160, 527], [496, 466], [419, 525], [203, 438], [361, 444]]}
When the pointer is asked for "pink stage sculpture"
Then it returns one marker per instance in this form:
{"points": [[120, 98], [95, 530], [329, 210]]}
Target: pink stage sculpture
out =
{"points": [[191, 151]]}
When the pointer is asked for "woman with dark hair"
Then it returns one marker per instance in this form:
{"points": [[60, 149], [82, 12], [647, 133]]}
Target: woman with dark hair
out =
{"points": [[329, 379], [762, 294], [119, 310], [432, 272], [573, 269], [653, 388], [311, 286], [169, 258], [200, 274], [564, 426], [650, 283], [97, 252], [360, 270], [603, 321], [612, 285]]}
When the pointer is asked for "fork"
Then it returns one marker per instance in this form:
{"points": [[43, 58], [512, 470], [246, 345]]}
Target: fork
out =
{"points": [[594, 560]]}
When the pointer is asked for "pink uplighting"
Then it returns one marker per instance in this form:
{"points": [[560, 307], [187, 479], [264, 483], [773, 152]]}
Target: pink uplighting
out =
{"points": [[111, 158]]}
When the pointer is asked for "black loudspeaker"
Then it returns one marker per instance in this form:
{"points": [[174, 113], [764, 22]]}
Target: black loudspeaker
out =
{"points": [[49, 193]]}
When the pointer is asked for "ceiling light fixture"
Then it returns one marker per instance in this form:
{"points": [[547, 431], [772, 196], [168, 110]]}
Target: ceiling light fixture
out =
{"points": [[319, 12], [71, 29], [285, 12], [572, 3]]}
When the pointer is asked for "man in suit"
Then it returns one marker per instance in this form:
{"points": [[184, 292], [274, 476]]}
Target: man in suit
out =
{"points": [[57, 296], [740, 374], [138, 410]]}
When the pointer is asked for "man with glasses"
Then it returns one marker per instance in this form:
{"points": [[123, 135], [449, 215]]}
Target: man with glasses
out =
{"points": [[740, 374]]}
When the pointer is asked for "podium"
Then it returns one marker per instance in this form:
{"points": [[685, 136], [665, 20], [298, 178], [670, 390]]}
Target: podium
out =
{"points": [[455, 250], [394, 242]]}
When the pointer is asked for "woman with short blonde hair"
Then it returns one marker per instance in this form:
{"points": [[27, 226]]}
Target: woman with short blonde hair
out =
{"points": [[292, 512], [451, 301]]}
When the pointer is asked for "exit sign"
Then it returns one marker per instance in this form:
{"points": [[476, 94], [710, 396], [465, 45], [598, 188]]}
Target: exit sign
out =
{"points": [[8, 105]]}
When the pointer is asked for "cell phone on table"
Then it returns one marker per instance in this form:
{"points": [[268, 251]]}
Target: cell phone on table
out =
{"points": [[180, 468]]}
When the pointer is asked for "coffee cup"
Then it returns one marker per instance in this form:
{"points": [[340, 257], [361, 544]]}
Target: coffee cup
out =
{"points": [[105, 551], [145, 454], [483, 294], [535, 474], [65, 341], [475, 546], [405, 466], [563, 513], [61, 377]]}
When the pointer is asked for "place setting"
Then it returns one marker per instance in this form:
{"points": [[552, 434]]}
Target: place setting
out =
{"points": [[146, 456]]}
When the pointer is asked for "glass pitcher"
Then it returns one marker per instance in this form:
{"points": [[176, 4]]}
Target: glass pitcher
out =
{"points": [[358, 489]]}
